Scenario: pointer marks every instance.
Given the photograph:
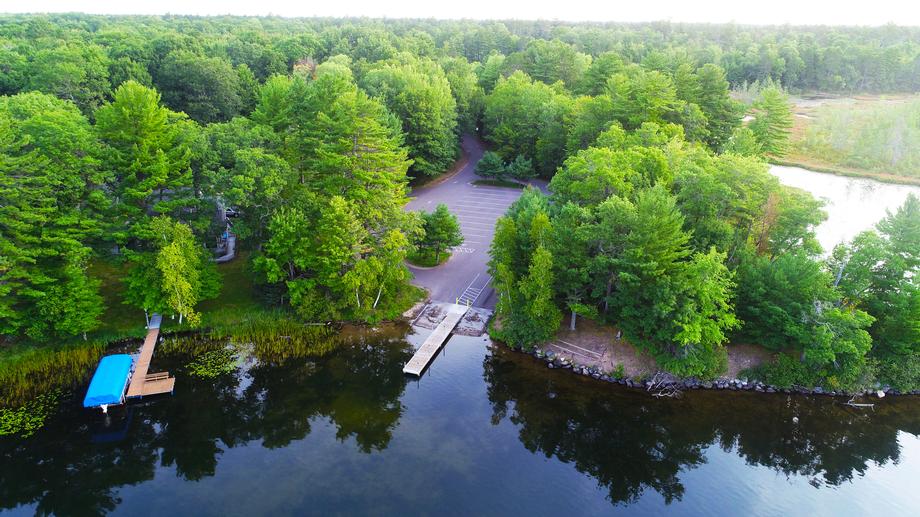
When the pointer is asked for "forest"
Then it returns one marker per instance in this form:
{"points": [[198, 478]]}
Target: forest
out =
{"points": [[122, 139]]}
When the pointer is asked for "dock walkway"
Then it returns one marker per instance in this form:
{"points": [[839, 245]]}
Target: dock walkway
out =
{"points": [[430, 347], [142, 383]]}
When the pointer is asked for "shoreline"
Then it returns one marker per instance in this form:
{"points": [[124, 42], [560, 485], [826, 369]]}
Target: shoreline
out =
{"points": [[846, 172], [663, 384]]}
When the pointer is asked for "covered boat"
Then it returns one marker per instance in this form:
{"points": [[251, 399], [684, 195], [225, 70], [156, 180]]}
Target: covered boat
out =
{"points": [[109, 382]]}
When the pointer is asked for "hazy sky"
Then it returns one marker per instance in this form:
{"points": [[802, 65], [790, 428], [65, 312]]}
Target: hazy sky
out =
{"points": [[810, 12]]}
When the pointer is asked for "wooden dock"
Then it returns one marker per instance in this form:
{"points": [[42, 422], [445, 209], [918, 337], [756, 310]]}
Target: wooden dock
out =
{"points": [[430, 347], [143, 383]]}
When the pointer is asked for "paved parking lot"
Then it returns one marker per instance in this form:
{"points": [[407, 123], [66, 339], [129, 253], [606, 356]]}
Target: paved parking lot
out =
{"points": [[465, 276]]}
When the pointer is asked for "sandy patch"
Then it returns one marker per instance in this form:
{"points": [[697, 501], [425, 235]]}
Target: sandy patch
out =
{"points": [[591, 344], [597, 345]]}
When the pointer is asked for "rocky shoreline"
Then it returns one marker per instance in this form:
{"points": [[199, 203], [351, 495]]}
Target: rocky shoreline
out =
{"points": [[664, 381]]}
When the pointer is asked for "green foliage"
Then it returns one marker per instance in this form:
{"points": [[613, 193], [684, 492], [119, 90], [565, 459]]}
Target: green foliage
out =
{"points": [[785, 372], [743, 142], [441, 231], [529, 313], [594, 174], [878, 273], [641, 211], [723, 115], [772, 120], [207, 89], [549, 62], [789, 220], [776, 299], [590, 116], [900, 372], [723, 198], [419, 94], [490, 72], [213, 364], [76, 71], [521, 168], [468, 94], [526, 117], [49, 205], [643, 96], [674, 305], [337, 247], [25, 420], [148, 154], [259, 183], [839, 343], [173, 275], [27, 371], [491, 165], [594, 80]]}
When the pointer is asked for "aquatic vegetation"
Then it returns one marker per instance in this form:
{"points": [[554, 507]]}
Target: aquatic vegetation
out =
{"points": [[270, 337], [213, 363], [277, 337], [29, 417], [27, 371]]}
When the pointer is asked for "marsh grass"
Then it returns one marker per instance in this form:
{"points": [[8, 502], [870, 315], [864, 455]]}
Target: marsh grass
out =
{"points": [[27, 372], [275, 337], [876, 138]]}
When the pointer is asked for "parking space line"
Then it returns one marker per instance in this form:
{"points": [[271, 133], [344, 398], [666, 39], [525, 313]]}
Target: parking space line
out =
{"points": [[480, 193], [481, 211], [480, 201], [477, 218]]}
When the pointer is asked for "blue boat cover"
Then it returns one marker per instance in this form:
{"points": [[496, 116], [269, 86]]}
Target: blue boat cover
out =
{"points": [[109, 381]]}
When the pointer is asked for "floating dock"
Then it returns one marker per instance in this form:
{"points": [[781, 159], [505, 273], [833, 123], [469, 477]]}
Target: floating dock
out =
{"points": [[107, 388], [430, 347], [143, 383], [119, 377]]}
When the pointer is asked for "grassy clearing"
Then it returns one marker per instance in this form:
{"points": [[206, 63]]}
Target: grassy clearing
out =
{"points": [[427, 258], [500, 183]]}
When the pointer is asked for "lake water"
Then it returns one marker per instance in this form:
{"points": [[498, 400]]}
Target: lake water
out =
{"points": [[486, 431], [852, 204]]}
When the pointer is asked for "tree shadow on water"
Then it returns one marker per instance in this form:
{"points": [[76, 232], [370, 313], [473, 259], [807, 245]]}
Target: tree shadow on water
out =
{"points": [[630, 442]]}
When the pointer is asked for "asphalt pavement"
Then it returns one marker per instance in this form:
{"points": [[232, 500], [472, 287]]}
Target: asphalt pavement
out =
{"points": [[465, 276]]}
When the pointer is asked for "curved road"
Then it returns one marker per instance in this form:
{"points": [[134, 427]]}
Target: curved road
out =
{"points": [[465, 276]]}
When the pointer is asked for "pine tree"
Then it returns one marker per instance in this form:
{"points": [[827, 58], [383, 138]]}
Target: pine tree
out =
{"points": [[442, 231], [49, 213], [772, 120], [491, 165], [147, 158]]}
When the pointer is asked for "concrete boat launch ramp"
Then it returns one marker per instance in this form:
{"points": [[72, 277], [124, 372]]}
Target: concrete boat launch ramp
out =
{"points": [[430, 347]]}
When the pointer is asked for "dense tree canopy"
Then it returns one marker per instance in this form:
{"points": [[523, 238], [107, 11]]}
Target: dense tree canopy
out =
{"points": [[419, 93], [662, 219], [49, 168]]}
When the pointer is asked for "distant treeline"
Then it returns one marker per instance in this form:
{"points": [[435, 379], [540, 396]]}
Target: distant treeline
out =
{"points": [[112, 49]]}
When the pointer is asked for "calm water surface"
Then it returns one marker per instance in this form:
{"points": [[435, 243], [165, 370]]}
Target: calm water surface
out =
{"points": [[852, 204], [485, 432]]}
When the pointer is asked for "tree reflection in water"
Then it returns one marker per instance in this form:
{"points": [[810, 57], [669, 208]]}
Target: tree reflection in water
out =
{"points": [[356, 387], [630, 442]]}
